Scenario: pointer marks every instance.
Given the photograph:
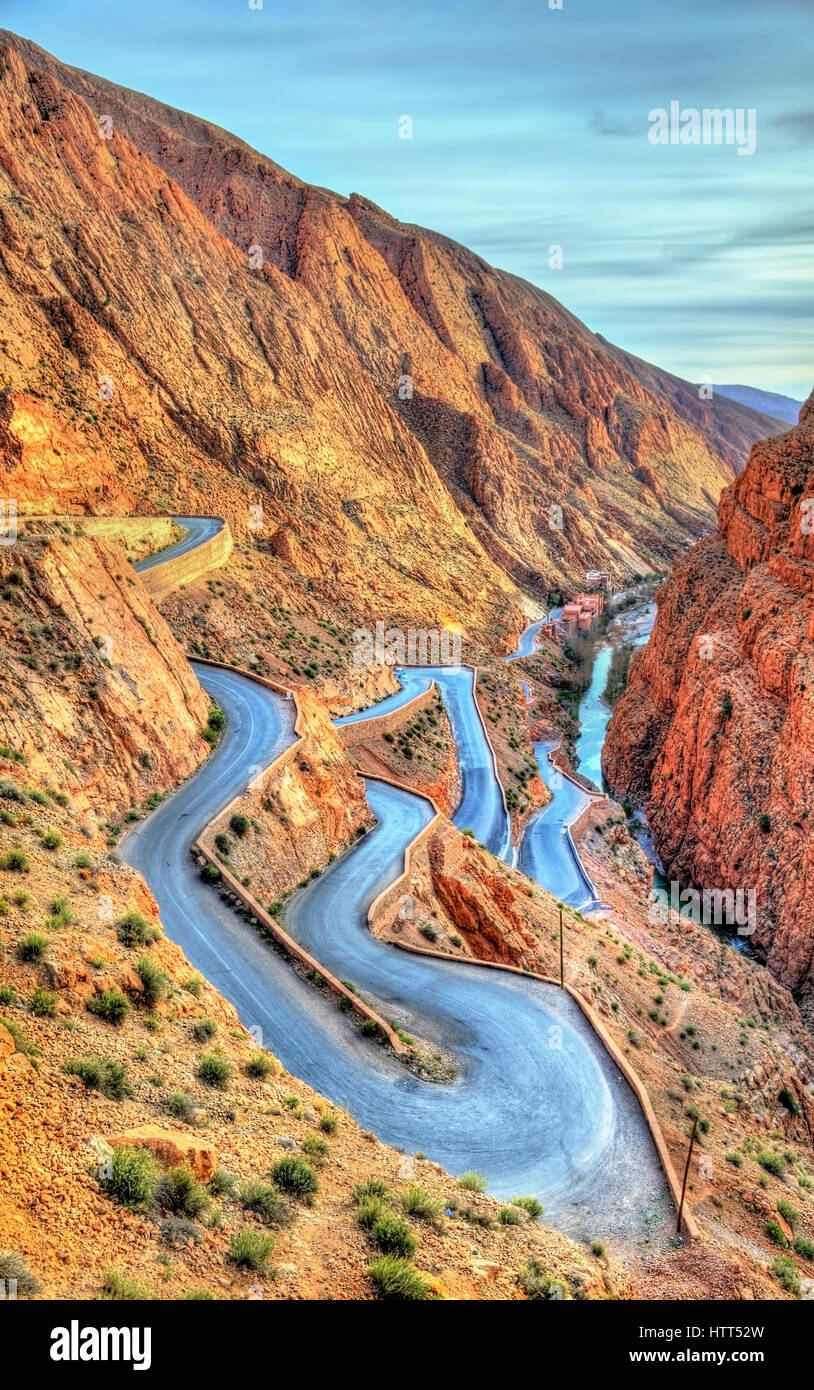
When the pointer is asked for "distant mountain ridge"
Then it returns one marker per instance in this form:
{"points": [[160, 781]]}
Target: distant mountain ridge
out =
{"points": [[784, 408]]}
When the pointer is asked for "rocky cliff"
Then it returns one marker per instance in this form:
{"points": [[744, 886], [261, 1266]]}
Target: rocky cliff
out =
{"points": [[299, 813], [97, 699], [715, 733]]}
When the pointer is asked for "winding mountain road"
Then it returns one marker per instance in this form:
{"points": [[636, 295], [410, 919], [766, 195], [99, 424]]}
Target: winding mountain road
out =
{"points": [[482, 808], [546, 852], [538, 1106], [197, 529]]}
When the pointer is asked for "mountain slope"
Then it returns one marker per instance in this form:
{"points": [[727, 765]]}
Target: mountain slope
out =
{"points": [[714, 732], [280, 385]]}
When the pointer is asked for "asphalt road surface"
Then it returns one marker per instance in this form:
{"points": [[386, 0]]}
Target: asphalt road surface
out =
{"points": [[538, 1106], [481, 808], [196, 528]]}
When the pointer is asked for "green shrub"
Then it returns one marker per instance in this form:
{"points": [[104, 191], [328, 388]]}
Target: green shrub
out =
{"points": [[530, 1205], [179, 1231], [12, 791], [327, 1122], [472, 1181], [251, 1250], [21, 1042], [477, 1218], [787, 1100], [773, 1163], [203, 1029], [392, 1235], [111, 1005], [267, 1202], [597, 1248], [101, 1074], [59, 914], [198, 1296], [371, 1187], [732, 1156], [14, 1266], [215, 1070], [368, 1211], [135, 930], [788, 1211], [223, 843], [537, 1284], [217, 720], [52, 839], [7, 994], [316, 1148], [294, 1176], [83, 860], [395, 1278], [258, 1064], [179, 1190], [133, 1178], [15, 860], [33, 946], [118, 1287], [509, 1216], [155, 981], [785, 1270], [42, 1004], [418, 1202], [181, 1105], [239, 824], [804, 1247], [223, 1184], [775, 1233]]}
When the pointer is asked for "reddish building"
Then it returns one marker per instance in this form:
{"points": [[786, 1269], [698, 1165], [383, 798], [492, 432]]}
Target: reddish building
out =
{"points": [[579, 616]]}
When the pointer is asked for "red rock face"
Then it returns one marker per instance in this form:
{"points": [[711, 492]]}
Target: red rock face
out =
{"points": [[51, 469], [279, 383], [715, 733]]}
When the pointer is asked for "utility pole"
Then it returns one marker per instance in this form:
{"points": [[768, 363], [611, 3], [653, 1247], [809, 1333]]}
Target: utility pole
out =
{"points": [[686, 1174], [562, 965]]}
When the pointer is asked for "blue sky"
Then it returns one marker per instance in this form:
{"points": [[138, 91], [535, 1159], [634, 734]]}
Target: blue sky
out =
{"points": [[530, 129]]}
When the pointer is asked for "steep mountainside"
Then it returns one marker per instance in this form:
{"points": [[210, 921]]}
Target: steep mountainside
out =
{"points": [[715, 733], [96, 697], [371, 380]]}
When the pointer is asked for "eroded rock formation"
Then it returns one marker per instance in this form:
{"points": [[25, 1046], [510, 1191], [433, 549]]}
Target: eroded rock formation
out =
{"points": [[715, 733]]}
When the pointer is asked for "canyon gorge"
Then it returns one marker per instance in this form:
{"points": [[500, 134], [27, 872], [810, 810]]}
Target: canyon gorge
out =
{"points": [[264, 909]]}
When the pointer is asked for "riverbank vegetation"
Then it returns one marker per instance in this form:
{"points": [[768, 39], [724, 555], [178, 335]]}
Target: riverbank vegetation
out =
{"points": [[616, 682]]}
